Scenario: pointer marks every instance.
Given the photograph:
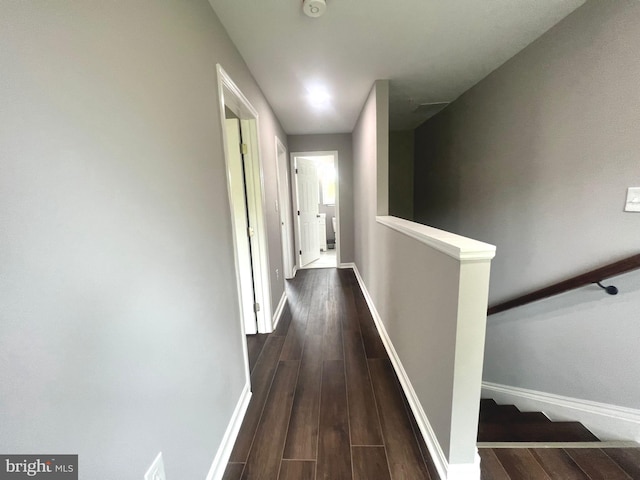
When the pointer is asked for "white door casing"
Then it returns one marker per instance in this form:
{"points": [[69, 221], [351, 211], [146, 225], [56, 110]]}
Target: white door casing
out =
{"points": [[284, 208], [336, 163], [306, 179], [232, 98]]}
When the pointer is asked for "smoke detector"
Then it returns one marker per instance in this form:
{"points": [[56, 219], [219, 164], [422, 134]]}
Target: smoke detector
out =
{"points": [[314, 8]]}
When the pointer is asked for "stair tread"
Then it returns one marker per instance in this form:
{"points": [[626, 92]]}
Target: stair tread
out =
{"points": [[535, 432], [532, 417], [511, 416], [499, 411], [487, 403]]}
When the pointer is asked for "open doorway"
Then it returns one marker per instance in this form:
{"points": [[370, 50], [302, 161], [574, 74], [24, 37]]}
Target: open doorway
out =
{"points": [[237, 180], [284, 209], [316, 209], [244, 182]]}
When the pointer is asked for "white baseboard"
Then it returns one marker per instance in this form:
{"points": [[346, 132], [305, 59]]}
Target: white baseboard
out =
{"points": [[219, 465], [279, 309], [470, 471], [348, 265], [607, 422], [446, 471]]}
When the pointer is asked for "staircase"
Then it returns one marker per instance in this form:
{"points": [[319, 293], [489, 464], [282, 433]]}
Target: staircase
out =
{"points": [[515, 445], [505, 423]]}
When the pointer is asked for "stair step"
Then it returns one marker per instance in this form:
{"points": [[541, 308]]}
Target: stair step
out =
{"points": [[495, 413], [487, 404], [531, 417], [535, 432], [499, 413]]}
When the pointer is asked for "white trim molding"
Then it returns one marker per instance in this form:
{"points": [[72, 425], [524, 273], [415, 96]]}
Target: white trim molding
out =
{"points": [[607, 422], [446, 471], [464, 472], [283, 185], [294, 190], [219, 464], [461, 248], [229, 95], [279, 309]]}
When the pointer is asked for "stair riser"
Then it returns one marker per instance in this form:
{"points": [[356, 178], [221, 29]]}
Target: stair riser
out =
{"points": [[505, 423]]}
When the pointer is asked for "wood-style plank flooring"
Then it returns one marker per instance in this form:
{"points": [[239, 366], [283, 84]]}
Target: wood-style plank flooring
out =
{"points": [[560, 463], [326, 403]]}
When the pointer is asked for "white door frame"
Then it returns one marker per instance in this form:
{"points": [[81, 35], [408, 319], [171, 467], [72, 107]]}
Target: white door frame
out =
{"points": [[240, 222], [284, 208], [232, 98], [336, 164]]}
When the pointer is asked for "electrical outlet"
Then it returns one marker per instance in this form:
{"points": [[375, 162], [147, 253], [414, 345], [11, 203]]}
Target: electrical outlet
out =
{"points": [[156, 470]]}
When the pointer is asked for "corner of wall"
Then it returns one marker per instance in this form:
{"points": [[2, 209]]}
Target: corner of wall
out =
{"points": [[382, 146]]}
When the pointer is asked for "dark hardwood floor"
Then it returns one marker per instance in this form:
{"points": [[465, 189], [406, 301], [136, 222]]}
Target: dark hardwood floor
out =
{"points": [[560, 463], [327, 405]]}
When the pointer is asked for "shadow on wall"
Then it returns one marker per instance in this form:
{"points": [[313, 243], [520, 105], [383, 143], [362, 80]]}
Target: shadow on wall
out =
{"points": [[401, 152], [515, 159], [467, 184]]}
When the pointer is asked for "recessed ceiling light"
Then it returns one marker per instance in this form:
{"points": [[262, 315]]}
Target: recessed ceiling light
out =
{"points": [[319, 97]]}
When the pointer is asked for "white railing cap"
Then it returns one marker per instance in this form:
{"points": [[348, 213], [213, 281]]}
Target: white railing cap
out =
{"points": [[456, 246]]}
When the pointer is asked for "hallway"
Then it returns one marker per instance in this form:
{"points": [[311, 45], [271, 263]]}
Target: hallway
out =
{"points": [[326, 403]]}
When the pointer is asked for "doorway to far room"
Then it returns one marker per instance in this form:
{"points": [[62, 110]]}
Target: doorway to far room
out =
{"points": [[316, 209]]}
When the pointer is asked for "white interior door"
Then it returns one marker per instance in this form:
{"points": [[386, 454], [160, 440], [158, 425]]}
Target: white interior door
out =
{"points": [[241, 225], [284, 209], [307, 214]]}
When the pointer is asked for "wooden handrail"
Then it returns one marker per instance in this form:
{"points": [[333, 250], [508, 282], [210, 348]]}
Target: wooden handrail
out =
{"points": [[616, 268]]}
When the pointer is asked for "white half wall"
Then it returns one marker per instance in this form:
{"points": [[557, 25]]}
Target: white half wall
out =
{"points": [[427, 290]]}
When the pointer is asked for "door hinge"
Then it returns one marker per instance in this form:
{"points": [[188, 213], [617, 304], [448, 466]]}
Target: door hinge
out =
{"points": [[243, 149], [251, 232], [296, 171], [298, 212], [300, 252], [256, 307]]}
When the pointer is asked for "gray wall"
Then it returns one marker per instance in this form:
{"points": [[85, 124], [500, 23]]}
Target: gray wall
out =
{"points": [[401, 153], [365, 158], [341, 142], [120, 324], [583, 344], [536, 158]]}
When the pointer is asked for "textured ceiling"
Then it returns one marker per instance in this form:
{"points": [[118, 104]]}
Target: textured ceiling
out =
{"points": [[430, 50]]}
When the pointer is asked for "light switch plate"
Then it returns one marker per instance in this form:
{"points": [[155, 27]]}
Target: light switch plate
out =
{"points": [[156, 470], [633, 200]]}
